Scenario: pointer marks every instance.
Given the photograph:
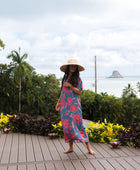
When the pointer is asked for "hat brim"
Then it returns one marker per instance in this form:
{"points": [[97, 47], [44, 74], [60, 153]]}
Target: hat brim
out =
{"points": [[63, 67]]}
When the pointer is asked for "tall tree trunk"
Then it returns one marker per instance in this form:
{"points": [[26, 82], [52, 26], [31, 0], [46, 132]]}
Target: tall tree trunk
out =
{"points": [[19, 94]]}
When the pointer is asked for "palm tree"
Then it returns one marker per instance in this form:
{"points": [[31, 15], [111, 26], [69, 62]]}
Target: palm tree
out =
{"points": [[20, 68]]}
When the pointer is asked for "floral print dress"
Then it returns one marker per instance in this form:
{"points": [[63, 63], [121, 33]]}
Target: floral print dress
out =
{"points": [[71, 115]]}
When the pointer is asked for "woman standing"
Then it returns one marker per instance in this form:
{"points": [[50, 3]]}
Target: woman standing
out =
{"points": [[69, 105]]}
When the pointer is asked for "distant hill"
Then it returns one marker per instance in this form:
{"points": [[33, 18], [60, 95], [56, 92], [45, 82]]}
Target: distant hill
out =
{"points": [[115, 74]]}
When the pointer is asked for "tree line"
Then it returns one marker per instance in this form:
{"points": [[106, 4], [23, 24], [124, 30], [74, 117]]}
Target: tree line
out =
{"points": [[22, 90]]}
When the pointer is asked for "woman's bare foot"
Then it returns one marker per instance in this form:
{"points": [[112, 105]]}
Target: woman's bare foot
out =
{"points": [[91, 152], [89, 149], [69, 150]]}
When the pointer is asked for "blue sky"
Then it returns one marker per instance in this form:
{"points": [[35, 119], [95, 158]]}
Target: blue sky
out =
{"points": [[53, 31]]}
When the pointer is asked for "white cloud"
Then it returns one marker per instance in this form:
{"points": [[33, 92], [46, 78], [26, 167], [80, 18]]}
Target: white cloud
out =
{"points": [[51, 33]]}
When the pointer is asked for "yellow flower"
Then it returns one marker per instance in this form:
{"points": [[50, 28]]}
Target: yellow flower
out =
{"points": [[9, 115], [91, 124], [54, 125], [114, 140], [60, 124], [102, 140]]}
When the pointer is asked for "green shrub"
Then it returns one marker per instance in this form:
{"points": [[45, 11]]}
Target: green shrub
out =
{"points": [[125, 110], [23, 123]]}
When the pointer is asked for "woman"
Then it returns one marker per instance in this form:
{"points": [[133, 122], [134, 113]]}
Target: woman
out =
{"points": [[70, 106]]}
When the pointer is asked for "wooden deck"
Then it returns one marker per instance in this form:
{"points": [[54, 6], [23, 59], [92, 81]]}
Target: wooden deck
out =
{"points": [[31, 152]]}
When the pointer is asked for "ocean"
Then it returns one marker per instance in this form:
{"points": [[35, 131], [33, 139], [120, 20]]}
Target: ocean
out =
{"points": [[113, 86]]}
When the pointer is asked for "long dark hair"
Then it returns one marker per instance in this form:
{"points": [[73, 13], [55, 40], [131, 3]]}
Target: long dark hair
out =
{"points": [[74, 77]]}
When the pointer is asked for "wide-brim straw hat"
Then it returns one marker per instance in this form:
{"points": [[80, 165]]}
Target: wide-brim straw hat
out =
{"points": [[72, 62]]}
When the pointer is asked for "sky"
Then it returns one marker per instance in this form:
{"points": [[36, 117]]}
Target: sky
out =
{"points": [[53, 31]]}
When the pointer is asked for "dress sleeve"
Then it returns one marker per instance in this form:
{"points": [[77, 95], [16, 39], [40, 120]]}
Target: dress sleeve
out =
{"points": [[80, 85]]}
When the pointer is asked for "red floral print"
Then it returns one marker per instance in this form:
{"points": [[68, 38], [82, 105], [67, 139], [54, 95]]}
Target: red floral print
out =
{"points": [[77, 118]]}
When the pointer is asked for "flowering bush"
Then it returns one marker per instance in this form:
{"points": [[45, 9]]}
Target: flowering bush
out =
{"points": [[97, 132], [4, 121], [104, 133], [57, 128]]}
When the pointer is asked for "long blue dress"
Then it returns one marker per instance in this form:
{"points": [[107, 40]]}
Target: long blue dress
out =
{"points": [[71, 115]]}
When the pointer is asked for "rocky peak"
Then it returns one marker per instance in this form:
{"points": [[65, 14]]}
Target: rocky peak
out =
{"points": [[116, 74]]}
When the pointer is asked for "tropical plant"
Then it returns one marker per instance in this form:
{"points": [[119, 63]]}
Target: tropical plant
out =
{"points": [[8, 91], [97, 132], [104, 133], [57, 128], [130, 136], [20, 68], [4, 121], [24, 123], [2, 45], [129, 91]]}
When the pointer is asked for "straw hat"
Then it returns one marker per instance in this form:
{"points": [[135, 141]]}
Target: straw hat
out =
{"points": [[72, 62]]}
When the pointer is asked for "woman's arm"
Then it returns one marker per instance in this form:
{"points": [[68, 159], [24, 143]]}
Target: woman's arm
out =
{"points": [[75, 89], [57, 106]]}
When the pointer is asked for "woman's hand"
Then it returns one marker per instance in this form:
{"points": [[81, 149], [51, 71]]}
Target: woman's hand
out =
{"points": [[67, 84], [57, 107]]}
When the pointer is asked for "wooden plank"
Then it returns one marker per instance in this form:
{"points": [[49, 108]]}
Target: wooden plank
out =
{"points": [[3, 168], [12, 167], [79, 152], [132, 163], [127, 151], [87, 164], [44, 148], [98, 154], [31, 167], [68, 165], [123, 163], [137, 159], [60, 149], [14, 149], [7, 148], [37, 149], [21, 167], [115, 164], [59, 165], [49, 165], [22, 149], [96, 164], [83, 148], [120, 152], [77, 165], [2, 143], [40, 166], [136, 151], [29, 149], [102, 151], [71, 155], [106, 164], [109, 149], [53, 151]]}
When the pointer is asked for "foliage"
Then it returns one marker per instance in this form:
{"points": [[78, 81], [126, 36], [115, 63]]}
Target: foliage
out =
{"points": [[20, 69], [104, 133], [8, 91], [131, 136], [39, 93], [57, 128], [2, 45], [4, 120], [97, 132], [25, 124], [128, 92], [123, 110]]}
